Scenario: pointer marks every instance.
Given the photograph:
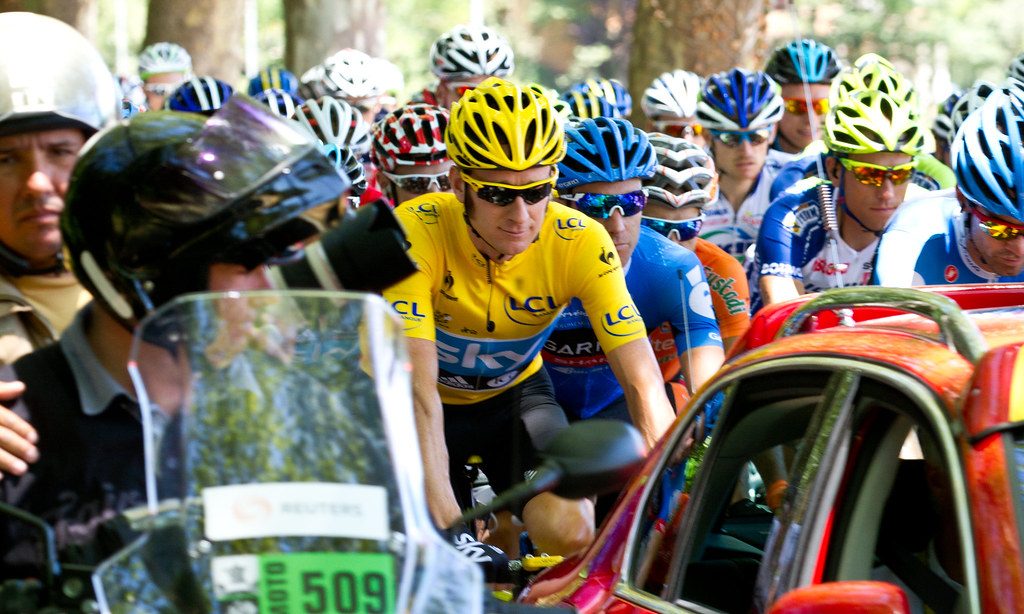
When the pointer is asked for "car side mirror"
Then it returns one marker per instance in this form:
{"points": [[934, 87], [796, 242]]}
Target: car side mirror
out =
{"points": [[864, 597]]}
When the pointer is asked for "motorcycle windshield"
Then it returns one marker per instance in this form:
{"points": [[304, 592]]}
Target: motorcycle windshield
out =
{"points": [[283, 472]]}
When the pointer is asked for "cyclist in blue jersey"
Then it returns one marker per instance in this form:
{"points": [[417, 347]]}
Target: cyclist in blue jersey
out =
{"points": [[873, 141], [972, 234], [601, 176], [804, 69], [739, 110]]}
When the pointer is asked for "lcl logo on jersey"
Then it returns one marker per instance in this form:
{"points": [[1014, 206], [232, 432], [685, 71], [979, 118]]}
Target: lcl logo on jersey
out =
{"points": [[426, 212], [622, 323], [410, 312], [532, 310], [567, 228]]}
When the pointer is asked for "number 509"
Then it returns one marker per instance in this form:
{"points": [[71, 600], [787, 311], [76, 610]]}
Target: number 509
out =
{"points": [[343, 593]]}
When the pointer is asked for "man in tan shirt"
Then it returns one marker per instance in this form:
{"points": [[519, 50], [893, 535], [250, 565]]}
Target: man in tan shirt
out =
{"points": [[55, 92]]}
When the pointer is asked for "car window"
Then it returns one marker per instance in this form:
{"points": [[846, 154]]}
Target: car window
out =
{"points": [[705, 523], [893, 516]]}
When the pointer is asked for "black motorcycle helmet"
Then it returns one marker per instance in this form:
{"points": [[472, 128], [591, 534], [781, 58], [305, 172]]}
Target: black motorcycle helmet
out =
{"points": [[155, 200]]}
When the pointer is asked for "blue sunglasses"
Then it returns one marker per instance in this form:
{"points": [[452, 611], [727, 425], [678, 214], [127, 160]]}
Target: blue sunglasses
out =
{"points": [[683, 229], [602, 206]]}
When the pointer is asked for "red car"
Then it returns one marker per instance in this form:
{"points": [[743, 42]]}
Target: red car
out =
{"points": [[891, 450]]}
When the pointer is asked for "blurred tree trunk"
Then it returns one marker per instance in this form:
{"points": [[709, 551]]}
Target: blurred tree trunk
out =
{"points": [[314, 29], [703, 36], [80, 14], [211, 31]]}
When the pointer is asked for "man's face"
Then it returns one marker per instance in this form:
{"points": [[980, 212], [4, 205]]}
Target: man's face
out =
{"points": [[508, 229], [449, 91], [401, 189], [744, 160], [623, 229], [797, 130], [873, 205], [159, 86], [34, 171], [1002, 257], [225, 277]]}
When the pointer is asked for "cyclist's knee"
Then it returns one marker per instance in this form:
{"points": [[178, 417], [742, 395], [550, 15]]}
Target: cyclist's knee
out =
{"points": [[559, 526]]}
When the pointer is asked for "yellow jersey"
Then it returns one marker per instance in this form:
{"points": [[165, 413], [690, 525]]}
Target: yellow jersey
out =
{"points": [[490, 320]]}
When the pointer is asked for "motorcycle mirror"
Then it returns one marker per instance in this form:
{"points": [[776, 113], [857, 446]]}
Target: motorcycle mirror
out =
{"points": [[592, 457], [595, 456]]}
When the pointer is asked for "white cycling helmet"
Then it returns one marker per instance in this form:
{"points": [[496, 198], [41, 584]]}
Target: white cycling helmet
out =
{"points": [[467, 51], [335, 122], [164, 57], [353, 75], [52, 77], [673, 95]]}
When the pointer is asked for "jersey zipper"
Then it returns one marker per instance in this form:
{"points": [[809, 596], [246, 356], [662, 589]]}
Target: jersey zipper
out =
{"points": [[490, 295]]}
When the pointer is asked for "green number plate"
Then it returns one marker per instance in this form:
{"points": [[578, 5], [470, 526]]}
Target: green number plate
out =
{"points": [[329, 582]]}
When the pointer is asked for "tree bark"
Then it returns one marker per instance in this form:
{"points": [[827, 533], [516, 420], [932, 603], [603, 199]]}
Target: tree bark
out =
{"points": [[703, 36], [79, 14], [315, 29], [211, 31]]}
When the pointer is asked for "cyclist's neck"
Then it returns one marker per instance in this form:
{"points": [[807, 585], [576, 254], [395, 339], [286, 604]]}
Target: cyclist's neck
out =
{"points": [[736, 189], [855, 235]]}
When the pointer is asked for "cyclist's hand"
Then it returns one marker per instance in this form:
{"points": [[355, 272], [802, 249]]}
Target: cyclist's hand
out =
{"points": [[17, 437], [493, 561]]}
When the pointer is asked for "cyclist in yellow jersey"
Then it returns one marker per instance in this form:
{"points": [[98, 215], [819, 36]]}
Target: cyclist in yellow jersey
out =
{"points": [[497, 263]]}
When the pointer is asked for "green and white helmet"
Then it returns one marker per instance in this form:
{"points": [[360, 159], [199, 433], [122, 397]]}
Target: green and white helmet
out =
{"points": [[871, 122], [872, 72]]}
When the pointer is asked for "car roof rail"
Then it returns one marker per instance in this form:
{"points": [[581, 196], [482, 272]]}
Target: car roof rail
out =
{"points": [[959, 332]]}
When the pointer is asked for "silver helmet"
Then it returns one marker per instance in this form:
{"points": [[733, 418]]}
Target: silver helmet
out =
{"points": [[51, 77]]}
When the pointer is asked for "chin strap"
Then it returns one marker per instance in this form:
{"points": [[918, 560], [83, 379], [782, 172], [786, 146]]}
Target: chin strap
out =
{"points": [[465, 216], [13, 264]]}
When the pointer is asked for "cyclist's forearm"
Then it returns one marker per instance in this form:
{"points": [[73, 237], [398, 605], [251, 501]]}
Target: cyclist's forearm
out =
{"points": [[637, 371], [699, 364]]}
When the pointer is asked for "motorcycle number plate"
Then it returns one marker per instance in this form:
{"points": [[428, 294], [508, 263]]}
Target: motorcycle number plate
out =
{"points": [[348, 582]]}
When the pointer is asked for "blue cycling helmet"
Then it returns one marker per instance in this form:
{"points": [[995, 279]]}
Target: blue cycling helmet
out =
{"points": [[605, 149], [203, 95], [610, 90], [942, 125], [586, 105], [274, 78], [803, 61], [282, 103], [739, 99], [988, 156]]}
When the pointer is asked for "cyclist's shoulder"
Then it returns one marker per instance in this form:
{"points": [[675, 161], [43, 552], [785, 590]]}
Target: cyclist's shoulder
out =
{"points": [[789, 203], [654, 251], [926, 215], [430, 209], [717, 259]]}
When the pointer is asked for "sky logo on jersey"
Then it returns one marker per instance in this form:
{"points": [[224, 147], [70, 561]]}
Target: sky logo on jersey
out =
{"points": [[531, 311], [426, 212], [485, 358], [624, 322], [568, 227]]}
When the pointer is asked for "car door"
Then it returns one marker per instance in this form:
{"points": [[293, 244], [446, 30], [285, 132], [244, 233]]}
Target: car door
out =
{"points": [[708, 542]]}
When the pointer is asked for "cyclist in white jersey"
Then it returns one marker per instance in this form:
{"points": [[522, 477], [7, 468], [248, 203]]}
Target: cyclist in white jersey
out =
{"points": [[872, 142], [971, 234], [740, 110]]}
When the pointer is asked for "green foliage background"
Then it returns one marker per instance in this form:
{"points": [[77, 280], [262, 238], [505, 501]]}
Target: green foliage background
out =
{"points": [[559, 41]]}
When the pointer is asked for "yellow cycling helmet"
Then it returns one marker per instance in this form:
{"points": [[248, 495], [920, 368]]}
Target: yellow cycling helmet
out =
{"points": [[560, 107], [499, 125], [872, 72], [872, 122]]}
